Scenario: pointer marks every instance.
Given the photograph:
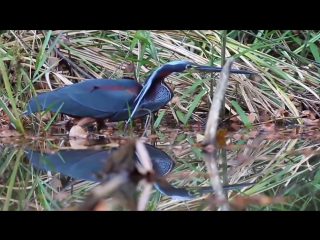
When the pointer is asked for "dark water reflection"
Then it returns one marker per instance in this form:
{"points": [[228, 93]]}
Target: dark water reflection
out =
{"points": [[280, 168]]}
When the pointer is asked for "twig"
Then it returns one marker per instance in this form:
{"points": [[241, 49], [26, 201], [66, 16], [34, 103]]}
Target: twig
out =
{"points": [[208, 143], [223, 60], [72, 64], [99, 192], [223, 152], [106, 188]]}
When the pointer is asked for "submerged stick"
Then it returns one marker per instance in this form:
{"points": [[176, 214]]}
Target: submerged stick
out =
{"points": [[209, 141], [121, 174]]}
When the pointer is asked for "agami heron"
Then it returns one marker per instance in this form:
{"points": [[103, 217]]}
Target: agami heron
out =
{"points": [[100, 99], [82, 164]]}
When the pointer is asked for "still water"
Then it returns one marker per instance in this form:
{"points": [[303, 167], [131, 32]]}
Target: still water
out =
{"points": [[55, 173]]}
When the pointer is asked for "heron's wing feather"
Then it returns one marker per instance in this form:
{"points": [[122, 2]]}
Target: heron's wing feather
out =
{"points": [[80, 164], [88, 98]]}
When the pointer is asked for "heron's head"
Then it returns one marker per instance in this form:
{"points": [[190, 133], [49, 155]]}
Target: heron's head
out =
{"points": [[185, 66], [175, 66]]}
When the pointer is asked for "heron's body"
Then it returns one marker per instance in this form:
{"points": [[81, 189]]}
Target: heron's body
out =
{"points": [[101, 99], [115, 100], [84, 163]]}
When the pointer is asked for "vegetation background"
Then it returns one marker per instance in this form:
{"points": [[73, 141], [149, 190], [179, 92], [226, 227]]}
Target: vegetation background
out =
{"points": [[275, 113]]}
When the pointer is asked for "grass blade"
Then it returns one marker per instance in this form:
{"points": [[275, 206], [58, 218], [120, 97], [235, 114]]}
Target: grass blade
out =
{"points": [[14, 117], [12, 180], [241, 113]]}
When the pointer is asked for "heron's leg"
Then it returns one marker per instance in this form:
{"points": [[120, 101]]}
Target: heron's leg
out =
{"points": [[125, 126], [146, 125], [100, 124], [85, 121]]}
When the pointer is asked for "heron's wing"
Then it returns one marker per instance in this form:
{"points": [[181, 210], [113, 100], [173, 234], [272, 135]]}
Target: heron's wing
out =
{"points": [[59, 160], [81, 164], [106, 95], [88, 98], [87, 166]]}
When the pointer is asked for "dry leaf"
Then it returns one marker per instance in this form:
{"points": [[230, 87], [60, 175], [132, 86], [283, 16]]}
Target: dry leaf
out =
{"points": [[239, 160], [56, 183], [41, 85], [177, 150], [253, 134], [251, 117], [101, 206], [144, 139], [60, 196], [53, 61], [6, 118], [175, 100], [264, 116], [76, 143], [65, 40], [255, 79], [200, 137], [78, 132], [46, 117], [62, 78], [240, 202], [281, 112], [268, 127], [128, 71], [306, 112], [310, 122], [154, 136], [235, 126], [4, 127], [113, 145], [47, 77], [220, 138], [296, 32], [309, 114], [237, 136], [128, 67], [235, 119], [277, 113], [9, 133]]}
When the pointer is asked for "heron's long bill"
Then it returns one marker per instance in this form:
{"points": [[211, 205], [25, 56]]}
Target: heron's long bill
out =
{"points": [[189, 68], [200, 68]]}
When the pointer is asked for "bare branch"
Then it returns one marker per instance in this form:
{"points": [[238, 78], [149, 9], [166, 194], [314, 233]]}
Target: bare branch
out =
{"points": [[210, 152]]}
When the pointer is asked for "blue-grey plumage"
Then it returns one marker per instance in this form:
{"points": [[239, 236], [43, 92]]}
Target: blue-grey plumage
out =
{"points": [[97, 98]]}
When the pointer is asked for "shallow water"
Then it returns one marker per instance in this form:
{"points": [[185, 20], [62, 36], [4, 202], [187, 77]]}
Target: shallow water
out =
{"points": [[283, 162]]}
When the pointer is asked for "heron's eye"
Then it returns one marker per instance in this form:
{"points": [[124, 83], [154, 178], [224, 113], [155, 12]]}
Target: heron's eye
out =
{"points": [[188, 66]]}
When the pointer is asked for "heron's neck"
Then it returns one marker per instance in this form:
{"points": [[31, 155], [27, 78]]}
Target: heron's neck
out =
{"points": [[158, 76]]}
